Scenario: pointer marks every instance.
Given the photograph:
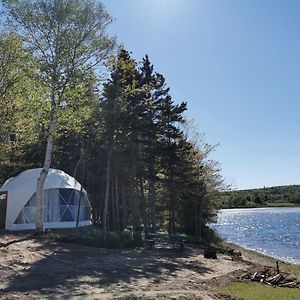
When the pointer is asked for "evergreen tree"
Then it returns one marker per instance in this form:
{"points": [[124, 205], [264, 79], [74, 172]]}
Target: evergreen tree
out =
{"points": [[122, 114], [156, 91], [171, 115]]}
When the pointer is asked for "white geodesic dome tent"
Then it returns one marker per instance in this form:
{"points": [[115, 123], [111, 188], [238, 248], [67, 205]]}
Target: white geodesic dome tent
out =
{"points": [[64, 199]]}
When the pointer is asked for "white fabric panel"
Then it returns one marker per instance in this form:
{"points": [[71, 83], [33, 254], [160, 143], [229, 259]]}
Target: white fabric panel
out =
{"points": [[50, 225], [51, 203], [27, 215], [23, 186]]}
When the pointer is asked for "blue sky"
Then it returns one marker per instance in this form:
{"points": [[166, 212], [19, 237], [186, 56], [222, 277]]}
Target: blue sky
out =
{"points": [[237, 64]]}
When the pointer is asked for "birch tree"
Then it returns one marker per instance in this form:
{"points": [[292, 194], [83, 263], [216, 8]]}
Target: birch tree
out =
{"points": [[68, 38]]}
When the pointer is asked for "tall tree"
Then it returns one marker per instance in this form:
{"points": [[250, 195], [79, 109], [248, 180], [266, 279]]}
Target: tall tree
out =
{"points": [[122, 114], [68, 39], [154, 84], [171, 116]]}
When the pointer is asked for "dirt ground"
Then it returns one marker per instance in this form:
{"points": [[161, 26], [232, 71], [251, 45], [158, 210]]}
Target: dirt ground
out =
{"points": [[36, 269]]}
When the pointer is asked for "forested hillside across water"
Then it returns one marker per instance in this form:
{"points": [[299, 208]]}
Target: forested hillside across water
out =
{"points": [[104, 118], [288, 195]]}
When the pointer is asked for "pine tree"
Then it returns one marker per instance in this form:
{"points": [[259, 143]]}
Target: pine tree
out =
{"points": [[122, 112], [171, 115], [154, 84]]}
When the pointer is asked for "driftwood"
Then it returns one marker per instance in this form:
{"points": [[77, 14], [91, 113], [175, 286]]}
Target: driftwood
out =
{"points": [[270, 277], [235, 255]]}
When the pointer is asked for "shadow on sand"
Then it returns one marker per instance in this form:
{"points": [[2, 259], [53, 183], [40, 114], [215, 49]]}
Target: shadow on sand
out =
{"points": [[65, 267]]}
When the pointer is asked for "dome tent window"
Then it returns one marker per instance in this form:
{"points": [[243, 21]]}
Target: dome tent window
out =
{"points": [[64, 199], [60, 205]]}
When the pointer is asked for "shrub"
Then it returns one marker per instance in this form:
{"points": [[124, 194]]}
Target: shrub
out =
{"points": [[93, 237]]}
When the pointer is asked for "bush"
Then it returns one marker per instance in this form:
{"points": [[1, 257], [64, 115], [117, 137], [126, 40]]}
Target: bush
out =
{"points": [[93, 237], [209, 238]]}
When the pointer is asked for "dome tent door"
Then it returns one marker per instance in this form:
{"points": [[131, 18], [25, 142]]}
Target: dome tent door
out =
{"points": [[3, 203]]}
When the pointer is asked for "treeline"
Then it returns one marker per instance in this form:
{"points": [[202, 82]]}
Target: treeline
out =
{"points": [[267, 196], [123, 138]]}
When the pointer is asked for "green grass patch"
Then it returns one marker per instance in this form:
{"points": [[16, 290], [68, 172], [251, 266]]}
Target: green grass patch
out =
{"points": [[272, 204], [290, 269], [257, 291]]}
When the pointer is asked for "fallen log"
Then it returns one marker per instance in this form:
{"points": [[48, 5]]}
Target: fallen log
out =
{"points": [[275, 279], [288, 284], [253, 277]]}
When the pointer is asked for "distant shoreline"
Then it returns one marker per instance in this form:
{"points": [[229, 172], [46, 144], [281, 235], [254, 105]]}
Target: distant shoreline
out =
{"points": [[278, 196], [271, 205]]}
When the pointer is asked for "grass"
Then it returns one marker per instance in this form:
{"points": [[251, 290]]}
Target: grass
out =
{"points": [[290, 268], [257, 291], [272, 204]]}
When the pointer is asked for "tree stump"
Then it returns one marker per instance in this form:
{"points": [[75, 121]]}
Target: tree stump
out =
{"points": [[150, 244], [210, 253]]}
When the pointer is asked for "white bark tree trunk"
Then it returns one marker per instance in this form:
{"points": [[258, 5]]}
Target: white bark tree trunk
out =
{"points": [[44, 172]]}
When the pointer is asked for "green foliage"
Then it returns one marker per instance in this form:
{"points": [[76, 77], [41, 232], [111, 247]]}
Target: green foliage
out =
{"points": [[67, 37], [165, 179], [21, 102], [158, 177], [286, 204], [271, 196], [209, 238]]}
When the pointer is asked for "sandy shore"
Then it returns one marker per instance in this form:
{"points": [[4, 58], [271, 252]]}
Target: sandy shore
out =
{"points": [[253, 256], [36, 269]]}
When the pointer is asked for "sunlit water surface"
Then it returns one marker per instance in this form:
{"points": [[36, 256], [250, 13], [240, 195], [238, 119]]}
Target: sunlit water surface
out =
{"points": [[272, 231]]}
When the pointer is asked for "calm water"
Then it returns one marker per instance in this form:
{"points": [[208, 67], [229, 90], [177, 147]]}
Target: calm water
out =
{"points": [[272, 231]]}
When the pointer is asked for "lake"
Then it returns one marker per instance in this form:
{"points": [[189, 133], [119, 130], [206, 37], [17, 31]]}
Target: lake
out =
{"points": [[271, 231]]}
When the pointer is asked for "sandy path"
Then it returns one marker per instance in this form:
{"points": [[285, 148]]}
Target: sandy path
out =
{"points": [[41, 269]]}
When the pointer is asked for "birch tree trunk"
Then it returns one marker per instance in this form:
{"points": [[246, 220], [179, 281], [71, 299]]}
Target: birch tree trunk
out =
{"points": [[42, 177]]}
